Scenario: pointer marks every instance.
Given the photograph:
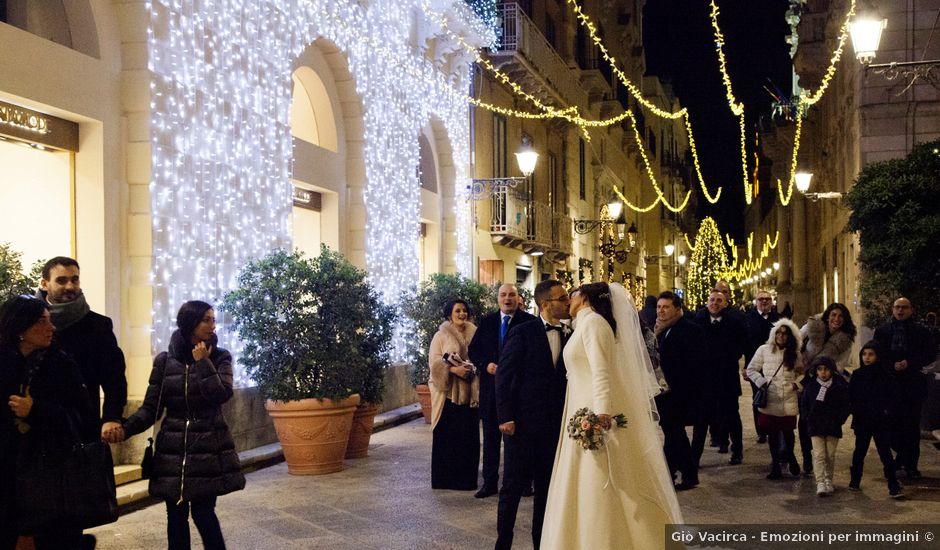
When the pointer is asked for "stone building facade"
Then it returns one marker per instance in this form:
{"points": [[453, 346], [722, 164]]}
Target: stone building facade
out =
{"points": [[862, 118]]}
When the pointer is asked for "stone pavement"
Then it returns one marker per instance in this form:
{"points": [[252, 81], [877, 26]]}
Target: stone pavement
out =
{"points": [[385, 501]]}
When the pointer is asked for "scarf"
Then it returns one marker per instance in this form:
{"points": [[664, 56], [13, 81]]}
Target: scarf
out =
{"points": [[823, 386], [662, 326], [67, 314]]}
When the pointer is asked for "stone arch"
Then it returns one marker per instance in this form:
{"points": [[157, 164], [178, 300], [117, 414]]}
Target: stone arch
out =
{"points": [[69, 23], [446, 175], [334, 166]]}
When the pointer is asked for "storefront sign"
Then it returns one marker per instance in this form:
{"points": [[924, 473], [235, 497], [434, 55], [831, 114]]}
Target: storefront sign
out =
{"points": [[311, 200], [34, 127]]}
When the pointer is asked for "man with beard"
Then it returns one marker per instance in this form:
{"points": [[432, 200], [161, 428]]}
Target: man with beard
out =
{"points": [[88, 338]]}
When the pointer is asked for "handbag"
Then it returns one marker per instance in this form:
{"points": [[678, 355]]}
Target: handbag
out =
{"points": [[74, 488], [146, 464], [762, 393]]}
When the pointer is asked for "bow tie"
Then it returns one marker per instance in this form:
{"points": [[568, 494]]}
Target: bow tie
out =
{"points": [[716, 320], [559, 328]]}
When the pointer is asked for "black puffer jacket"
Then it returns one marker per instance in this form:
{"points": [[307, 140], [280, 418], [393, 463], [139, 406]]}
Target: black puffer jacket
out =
{"points": [[195, 455]]}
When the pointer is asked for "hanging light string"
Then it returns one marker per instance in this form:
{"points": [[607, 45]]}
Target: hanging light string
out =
{"points": [[570, 114], [807, 100], [742, 269], [637, 94], [737, 107]]}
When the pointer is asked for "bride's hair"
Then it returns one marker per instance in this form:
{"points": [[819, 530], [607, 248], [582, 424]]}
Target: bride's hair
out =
{"points": [[598, 295]]}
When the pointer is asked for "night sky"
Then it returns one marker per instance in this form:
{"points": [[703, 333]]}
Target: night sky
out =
{"points": [[680, 47]]}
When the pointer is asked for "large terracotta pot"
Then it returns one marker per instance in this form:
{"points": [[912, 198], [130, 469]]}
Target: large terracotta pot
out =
{"points": [[361, 431], [313, 432], [424, 397]]}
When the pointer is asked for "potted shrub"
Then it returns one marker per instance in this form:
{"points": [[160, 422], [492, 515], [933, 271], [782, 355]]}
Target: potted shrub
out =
{"points": [[424, 309], [375, 347], [310, 330], [12, 280]]}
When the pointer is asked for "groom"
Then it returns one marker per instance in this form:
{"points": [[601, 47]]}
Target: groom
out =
{"points": [[530, 399]]}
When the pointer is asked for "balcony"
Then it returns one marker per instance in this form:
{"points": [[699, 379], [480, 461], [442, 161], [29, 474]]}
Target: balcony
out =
{"points": [[528, 58], [562, 236], [539, 226], [509, 222]]}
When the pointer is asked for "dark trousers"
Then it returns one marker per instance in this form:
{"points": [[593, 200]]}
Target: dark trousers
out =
{"points": [[806, 444], [8, 535], [177, 524], [781, 445], [754, 410], [63, 538], [492, 439], [529, 458], [721, 412], [882, 439], [677, 449], [905, 440]]}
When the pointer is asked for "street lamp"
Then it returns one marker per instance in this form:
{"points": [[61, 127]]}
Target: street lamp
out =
{"points": [[526, 158], [866, 36], [612, 225], [803, 180]]}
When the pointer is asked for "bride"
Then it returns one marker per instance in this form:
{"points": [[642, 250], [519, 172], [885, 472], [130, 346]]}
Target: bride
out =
{"points": [[622, 495]]}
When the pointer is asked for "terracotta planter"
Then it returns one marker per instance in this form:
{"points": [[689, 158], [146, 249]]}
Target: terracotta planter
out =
{"points": [[361, 431], [424, 397], [313, 432]]}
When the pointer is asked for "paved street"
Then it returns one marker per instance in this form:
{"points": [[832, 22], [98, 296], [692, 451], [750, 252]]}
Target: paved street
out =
{"points": [[384, 501]]}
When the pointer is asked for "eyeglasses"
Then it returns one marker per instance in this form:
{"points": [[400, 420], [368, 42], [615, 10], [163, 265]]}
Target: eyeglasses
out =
{"points": [[764, 299]]}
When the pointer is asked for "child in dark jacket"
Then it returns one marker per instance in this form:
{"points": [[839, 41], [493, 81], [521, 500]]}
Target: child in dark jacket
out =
{"points": [[826, 407], [877, 394]]}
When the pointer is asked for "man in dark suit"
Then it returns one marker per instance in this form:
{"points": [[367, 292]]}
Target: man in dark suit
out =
{"points": [[680, 346], [725, 338], [530, 400], [484, 352], [758, 322]]}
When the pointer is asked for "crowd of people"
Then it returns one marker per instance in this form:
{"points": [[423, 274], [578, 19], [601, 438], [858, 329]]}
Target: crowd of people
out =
{"points": [[521, 376], [56, 358]]}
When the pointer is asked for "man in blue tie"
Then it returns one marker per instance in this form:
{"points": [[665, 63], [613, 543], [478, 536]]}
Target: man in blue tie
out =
{"points": [[484, 352]]}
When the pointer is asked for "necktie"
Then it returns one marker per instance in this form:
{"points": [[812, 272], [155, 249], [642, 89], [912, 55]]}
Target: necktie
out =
{"points": [[503, 327]]}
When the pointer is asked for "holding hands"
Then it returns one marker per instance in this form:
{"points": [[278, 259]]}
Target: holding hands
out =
{"points": [[112, 432]]}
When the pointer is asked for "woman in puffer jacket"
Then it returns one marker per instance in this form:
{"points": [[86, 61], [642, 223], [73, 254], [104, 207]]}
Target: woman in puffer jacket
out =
{"points": [[194, 457], [777, 366]]}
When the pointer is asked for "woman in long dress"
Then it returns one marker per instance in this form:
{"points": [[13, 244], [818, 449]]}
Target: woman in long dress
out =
{"points": [[622, 495], [455, 399]]}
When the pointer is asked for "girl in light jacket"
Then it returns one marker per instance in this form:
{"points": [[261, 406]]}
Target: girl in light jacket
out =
{"points": [[777, 365]]}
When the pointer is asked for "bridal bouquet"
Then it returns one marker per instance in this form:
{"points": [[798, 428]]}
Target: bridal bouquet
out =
{"points": [[585, 428]]}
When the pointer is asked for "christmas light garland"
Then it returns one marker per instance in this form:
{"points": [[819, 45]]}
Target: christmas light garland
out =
{"points": [[221, 146]]}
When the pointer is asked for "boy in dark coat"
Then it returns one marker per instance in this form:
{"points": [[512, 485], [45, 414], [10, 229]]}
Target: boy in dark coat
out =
{"points": [[826, 407], [877, 393]]}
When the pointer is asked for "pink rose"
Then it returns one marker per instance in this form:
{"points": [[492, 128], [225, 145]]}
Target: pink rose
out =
{"points": [[585, 425]]}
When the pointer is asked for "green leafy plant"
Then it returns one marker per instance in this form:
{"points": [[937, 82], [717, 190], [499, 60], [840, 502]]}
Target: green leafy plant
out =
{"points": [[12, 280], [312, 328], [424, 309], [896, 210]]}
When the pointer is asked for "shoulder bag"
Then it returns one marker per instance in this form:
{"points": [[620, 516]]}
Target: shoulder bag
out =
{"points": [[146, 465], [75, 487], [761, 394]]}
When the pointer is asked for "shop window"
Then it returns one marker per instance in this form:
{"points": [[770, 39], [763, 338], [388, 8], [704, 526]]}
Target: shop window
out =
{"points": [[36, 181], [306, 219]]}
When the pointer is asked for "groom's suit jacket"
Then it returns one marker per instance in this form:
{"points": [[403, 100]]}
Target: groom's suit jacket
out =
{"points": [[484, 349], [530, 389]]}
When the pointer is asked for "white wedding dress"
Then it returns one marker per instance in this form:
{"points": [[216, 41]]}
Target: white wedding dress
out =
{"points": [[621, 496]]}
